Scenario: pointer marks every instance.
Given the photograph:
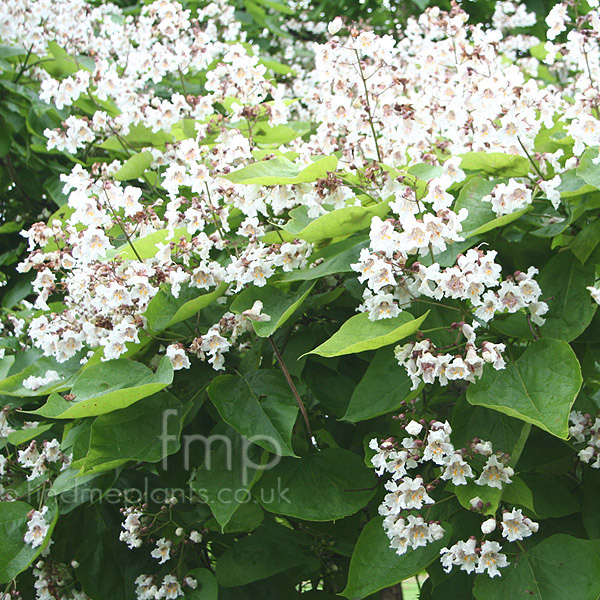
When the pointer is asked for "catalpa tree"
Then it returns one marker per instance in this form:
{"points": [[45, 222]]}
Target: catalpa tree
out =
{"points": [[307, 321]]}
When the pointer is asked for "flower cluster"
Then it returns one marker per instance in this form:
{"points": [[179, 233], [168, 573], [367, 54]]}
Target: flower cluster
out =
{"points": [[35, 383], [37, 527], [40, 457], [412, 494], [55, 580], [586, 429], [173, 228], [148, 588], [426, 363]]}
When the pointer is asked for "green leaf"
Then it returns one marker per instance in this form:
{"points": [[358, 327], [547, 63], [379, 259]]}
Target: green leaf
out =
{"points": [[488, 495], [327, 485], [63, 63], [337, 258], [108, 386], [278, 134], [518, 493], [481, 217], [572, 185], [147, 431], [339, 222], [134, 167], [139, 136], [558, 567], [381, 390], [551, 495], [15, 554], [16, 438], [281, 171], [587, 170], [146, 246], [277, 67], [586, 240], [359, 333], [96, 546], [375, 566], [563, 281], [280, 306], [13, 385], [75, 489], [246, 518], [269, 550], [260, 406], [164, 310], [469, 422], [539, 387], [470, 198], [277, 6], [207, 589], [10, 51], [231, 466], [496, 164]]}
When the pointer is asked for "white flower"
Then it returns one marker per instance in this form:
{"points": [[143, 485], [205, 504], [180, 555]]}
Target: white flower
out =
{"points": [[334, 26], [162, 552], [419, 533], [476, 503], [413, 428], [516, 527], [146, 589], [438, 446], [255, 312], [37, 528], [170, 588], [178, 357], [409, 494], [462, 553], [495, 473], [549, 188], [379, 461], [384, 237], [586, 454], [488, 526], [491, 559], [484, 448], [457, 470], [28, 458], [195, 537], [595, 292], [398, 462]]}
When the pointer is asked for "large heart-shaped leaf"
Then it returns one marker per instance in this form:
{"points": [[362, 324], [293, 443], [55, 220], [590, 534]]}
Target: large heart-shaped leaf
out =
{"points": [[230, 468], [496, 163], [15, 554], [327, 485], [108, 386], [282, 171], [269, 550], [539, 387], [336, 223], [375, 566], [359, 333], [558, 567], [563, 281], [147, 431], [260, 406], [381, 390], [280, 306]]}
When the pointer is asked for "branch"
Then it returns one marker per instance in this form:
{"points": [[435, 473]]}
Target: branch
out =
{"points": [[290, 382]]}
